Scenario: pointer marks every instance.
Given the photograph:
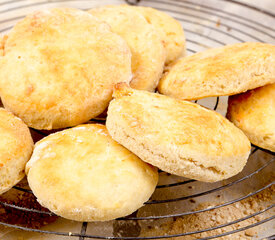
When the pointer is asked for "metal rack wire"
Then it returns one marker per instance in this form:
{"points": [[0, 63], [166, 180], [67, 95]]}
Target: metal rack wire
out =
{"points": [[205, 25]]}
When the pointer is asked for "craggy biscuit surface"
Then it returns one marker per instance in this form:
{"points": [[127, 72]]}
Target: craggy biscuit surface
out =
{"points": [[84, 175], [16, 146], [148, 53], [254, 113], [59, 68], [220, 71], [177, 136]]}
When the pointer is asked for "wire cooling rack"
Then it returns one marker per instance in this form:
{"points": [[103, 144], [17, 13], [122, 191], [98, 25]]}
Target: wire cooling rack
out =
{"points": [[207, 24]]}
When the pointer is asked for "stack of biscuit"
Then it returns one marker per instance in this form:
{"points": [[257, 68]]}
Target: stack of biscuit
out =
{"points": [[61, 67]]}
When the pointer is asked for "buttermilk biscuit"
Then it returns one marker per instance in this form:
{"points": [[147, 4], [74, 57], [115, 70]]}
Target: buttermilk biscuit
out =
{"points": [[59, 68], [82, 174], [169, 29], [15, 149], [220, 71], [148, 53], [177, 136], [254, 113]]}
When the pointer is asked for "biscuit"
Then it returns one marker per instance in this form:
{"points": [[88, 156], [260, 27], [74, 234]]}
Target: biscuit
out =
{"points": [[66, 64], [170, 30], [177, 136], [220, 71], [82, 174], [148, 53], [254, 113], [16, 146]]}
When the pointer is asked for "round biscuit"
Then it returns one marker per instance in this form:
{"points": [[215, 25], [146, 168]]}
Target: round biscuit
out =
{"points": [[64, 64], [222, 71], [82, 174], [177, 136]]}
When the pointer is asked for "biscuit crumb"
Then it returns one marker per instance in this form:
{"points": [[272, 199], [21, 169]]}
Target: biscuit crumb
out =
{"points": [[217, 217], [218, 23], [250, 232], [20, 217]]}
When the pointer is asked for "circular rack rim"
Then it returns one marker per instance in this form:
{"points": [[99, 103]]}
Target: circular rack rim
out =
{"points": [[249, 24]]}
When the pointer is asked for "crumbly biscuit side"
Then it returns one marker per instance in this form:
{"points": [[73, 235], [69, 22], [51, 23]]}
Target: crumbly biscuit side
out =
{"points": [[171, 161]]}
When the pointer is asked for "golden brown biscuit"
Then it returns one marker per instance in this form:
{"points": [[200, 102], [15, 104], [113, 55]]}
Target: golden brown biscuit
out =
{"points": [[170, 30], [220, 71], [16, 146], [177, 136], [148, 53], [65, 64], [84, 175], [254, 113]]}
